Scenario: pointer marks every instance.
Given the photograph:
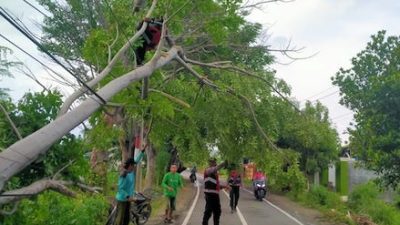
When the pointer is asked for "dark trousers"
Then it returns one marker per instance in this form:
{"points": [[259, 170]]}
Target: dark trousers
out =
{"points": [[213, 206], [234, 196], [123, 209]]}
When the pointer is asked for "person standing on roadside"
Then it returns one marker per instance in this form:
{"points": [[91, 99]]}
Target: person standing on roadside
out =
{"points": [[126, 189], [171, 183], [211, 192]]}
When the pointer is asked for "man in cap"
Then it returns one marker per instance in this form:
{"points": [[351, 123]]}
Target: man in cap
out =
{"points": [[211, 192]]}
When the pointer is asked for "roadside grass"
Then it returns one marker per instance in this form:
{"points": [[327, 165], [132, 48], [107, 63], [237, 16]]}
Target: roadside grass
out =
{"points": [[327, 202], [363, 205]]}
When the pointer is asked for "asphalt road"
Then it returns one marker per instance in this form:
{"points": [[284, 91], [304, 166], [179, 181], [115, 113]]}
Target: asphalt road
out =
{"points": [[250, 211]]}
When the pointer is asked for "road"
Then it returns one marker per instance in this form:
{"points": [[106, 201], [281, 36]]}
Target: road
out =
{"points": [[249, 212]]}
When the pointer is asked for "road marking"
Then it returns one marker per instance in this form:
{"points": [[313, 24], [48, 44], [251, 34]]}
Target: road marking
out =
{"points": [[189, 214], [239, 213], [279, 209]]}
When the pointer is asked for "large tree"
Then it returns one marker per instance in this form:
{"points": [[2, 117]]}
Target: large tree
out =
{"points": [[211, 88], [371, 88]]}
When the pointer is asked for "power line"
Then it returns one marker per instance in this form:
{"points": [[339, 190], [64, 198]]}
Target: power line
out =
{"points": [[325, 96], [343, 115], [314, 95], [35, 8], [33, 57], [3, 13]]}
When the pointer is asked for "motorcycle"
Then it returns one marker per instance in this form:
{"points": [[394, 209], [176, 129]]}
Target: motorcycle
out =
{"points": [[260, 189], [140, 211]]}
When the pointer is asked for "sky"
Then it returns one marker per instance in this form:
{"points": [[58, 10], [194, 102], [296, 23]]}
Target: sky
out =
{"points": [[336, 30]]}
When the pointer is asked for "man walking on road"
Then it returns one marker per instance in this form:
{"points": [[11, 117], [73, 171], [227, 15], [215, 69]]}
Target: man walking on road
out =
{"points": [[235, 182], [211, 192], [172, 181]]}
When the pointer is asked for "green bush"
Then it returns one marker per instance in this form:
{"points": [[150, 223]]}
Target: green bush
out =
{"points": [[364, 200], [52, 208], [363, 195], [320, 197]]}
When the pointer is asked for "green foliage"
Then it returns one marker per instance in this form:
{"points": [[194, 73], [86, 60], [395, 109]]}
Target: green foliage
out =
{"points": [[54, 209], [371, 88], [31, 113], [319, 196], [310, 133], [364, 200]]}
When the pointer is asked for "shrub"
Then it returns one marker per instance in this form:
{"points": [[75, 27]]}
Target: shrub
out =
{"points": [[363, 195], [54, 209], [319, 196], [364, 200]]}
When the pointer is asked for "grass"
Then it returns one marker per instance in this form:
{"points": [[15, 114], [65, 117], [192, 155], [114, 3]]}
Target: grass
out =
{"points": [[363, 202], [327, 202]]}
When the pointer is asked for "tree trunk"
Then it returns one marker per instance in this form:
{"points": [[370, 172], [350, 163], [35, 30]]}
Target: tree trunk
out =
{"points": [[22, 153], [151, 167]]}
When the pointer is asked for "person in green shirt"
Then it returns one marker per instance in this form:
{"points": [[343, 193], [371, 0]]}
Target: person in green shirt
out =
{"points": [[171, 183]]}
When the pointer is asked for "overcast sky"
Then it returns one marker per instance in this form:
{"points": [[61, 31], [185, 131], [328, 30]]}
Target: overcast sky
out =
{"points": [[335, 29]]}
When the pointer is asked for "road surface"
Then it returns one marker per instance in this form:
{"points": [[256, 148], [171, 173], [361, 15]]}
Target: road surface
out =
{"points": [[249, 212]]}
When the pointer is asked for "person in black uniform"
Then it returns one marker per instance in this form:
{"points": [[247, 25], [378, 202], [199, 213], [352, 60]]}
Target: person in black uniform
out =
{"points": [[211, 192]]}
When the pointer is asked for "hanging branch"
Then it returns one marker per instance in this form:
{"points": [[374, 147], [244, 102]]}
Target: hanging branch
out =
{"points": [[209, 83], [248, 5], [15, 129], [172, 98], [112, 45], [228, 66]]}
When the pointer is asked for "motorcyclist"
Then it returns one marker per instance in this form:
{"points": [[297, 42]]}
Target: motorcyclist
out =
{"points": [[258, 177]]}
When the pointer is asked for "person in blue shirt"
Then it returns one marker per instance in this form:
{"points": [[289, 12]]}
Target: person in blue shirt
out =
{"points": [[126, 189]]}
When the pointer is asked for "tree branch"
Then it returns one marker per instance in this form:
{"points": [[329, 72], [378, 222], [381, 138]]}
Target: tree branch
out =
{"points": [[172, 98], [222, 65], [112, 45], [15, 129], [257, 4], [231, 91], [34, 189]]}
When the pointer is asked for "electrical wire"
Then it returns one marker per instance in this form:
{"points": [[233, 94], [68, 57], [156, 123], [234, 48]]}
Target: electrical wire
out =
{"points": [[3, 13]]}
